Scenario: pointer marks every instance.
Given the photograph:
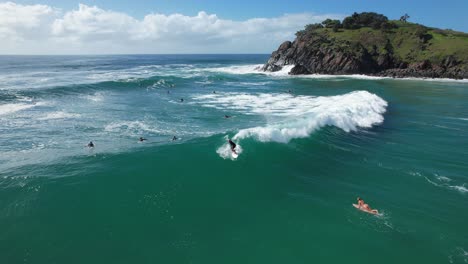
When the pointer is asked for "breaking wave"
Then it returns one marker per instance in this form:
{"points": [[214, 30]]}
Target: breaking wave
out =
{"points": [[299, 116]]}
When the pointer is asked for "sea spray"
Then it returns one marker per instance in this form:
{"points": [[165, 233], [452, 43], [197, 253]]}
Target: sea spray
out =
{"points": [[225, 152]]}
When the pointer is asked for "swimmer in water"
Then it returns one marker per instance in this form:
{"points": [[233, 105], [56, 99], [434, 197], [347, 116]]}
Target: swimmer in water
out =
{"points": [[174, 138], [142, 139], [181, 100], [90, 145], [227, 116]]}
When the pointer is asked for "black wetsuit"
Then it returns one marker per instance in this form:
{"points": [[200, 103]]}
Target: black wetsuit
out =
{"points": [[233, 145]]}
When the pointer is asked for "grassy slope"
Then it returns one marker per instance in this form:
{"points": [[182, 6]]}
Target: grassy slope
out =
{"points": [[406, 44]]}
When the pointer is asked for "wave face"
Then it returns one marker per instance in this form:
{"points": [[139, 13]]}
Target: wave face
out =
{"points": [[302, 115]]}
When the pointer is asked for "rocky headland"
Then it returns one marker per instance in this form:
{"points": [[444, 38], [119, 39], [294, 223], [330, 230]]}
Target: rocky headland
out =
{"points": [[369, 43]]}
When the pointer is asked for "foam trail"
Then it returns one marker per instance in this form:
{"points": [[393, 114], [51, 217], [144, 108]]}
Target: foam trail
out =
{"points": [[443, 183], [59, 115], [459, 188], [6, 109]]}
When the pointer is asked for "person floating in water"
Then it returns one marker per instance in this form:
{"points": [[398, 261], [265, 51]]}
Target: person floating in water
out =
{"points": [[233, 146], [363, 205], [174, 138], [90, 145], [142, 139], [227, 116], [214, 92], [181, 100]]}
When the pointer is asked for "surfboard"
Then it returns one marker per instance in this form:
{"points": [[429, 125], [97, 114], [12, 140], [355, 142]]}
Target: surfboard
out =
{"points": [[234, 154], [364, 210]]}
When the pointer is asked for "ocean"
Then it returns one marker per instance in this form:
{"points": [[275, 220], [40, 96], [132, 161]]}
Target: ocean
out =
{"points": [[308, 147]]}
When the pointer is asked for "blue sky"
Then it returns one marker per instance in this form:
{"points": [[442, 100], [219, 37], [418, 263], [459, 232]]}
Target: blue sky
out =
{"points": [[443, 14], [183, 26]]}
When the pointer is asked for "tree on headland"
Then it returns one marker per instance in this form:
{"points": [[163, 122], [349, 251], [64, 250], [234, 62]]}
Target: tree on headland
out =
{"points": [[331, 23], [313, 26], [355, 21], [404, 18], [364, 19], [309, 28]]}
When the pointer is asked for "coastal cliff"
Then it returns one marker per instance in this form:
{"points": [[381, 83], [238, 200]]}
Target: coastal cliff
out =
{"points": [[383, 48]]}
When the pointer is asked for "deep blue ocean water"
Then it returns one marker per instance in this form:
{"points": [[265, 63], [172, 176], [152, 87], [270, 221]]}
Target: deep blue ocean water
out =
{"points": [[309, 146]]}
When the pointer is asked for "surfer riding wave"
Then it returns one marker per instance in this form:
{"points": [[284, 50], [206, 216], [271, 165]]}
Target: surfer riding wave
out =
{"points": [[233, 146]]}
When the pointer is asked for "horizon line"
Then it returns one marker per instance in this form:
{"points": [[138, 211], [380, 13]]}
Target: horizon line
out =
{"points": [[126, 54]]}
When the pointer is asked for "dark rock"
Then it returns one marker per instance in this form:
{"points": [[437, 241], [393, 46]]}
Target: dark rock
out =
{"points": [[450, 62], [299, 69]]}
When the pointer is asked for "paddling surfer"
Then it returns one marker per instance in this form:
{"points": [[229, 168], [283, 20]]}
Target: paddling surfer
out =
{"points": [[365, 206]]}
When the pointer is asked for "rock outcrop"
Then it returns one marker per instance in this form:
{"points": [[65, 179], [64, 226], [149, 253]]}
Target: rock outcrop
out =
{"points": [[325, 52]]}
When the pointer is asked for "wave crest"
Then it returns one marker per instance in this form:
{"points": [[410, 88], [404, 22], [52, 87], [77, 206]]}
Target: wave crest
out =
{"points": [[299, 116], [348, 112]]}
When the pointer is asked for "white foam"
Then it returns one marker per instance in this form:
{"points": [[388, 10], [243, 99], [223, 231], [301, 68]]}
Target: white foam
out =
{"points": [[142, 72], [6, 109], [239, 69], [459, 255], [460, 188], [444, 184], [96, 97], [300, 115], [59, 115], [133, 127], [443, 178], [284, 72], [348, 76], [225, 152], [252, 69]]}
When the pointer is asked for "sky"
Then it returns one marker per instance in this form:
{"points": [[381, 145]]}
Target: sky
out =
{"points": [[184, 26]]}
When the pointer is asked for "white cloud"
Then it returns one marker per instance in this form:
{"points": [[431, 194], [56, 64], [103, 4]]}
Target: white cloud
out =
{"points": [[18, 21], [89, 29], [93, 22]]}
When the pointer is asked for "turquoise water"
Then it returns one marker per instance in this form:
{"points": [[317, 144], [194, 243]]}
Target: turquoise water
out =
{"points": [[308, 147]]}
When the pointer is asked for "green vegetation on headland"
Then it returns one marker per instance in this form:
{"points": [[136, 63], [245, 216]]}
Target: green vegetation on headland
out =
{"points": [[369, 43]]}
